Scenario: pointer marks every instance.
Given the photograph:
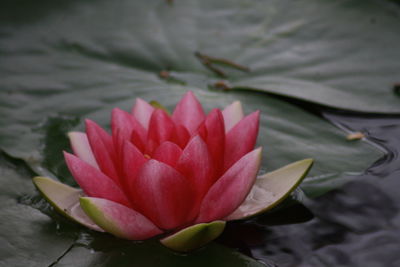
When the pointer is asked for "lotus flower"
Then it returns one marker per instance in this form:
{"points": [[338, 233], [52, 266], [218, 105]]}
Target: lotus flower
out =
{"points": [[179, 176]]}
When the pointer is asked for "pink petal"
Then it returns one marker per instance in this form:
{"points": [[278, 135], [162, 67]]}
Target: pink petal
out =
{"points": [[132, 161], [189, 112], [142, 112], [93, 182], [232, 115], [241, 139], [161, 129], [181, 136], [122, 125], [163, 195], [103, 149], [168, 153], [119, 220], [123, 122], [196, 165], [271, 188], [139, 138], [231, 189], [80, 146], [213, 132], [126, 123], [118, 145]]}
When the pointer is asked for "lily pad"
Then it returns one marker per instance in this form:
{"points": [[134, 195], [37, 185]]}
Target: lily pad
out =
{"points": [[152, 254], [317, 51], [78, 59], [65, 199], [272, 188], [194, 236], [95, 60], [25, 231]]}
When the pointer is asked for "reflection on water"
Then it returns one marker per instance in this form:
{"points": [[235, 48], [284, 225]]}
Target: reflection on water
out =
{"points": [[356, 225]]}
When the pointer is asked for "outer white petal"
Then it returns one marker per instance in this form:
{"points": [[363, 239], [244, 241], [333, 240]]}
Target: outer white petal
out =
{"points": [[232, 115], [272, 188], [142, 112], [81, 147]]}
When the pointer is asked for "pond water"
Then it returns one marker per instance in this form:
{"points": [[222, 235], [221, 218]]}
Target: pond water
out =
{"points": [[355, 225]]}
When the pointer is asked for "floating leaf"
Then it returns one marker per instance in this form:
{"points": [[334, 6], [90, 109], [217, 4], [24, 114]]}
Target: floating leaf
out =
{"points": [[96, 58], [28, 236]]}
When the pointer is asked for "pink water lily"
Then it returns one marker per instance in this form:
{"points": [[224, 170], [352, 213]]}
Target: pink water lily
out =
{"points": [[180, 176]]}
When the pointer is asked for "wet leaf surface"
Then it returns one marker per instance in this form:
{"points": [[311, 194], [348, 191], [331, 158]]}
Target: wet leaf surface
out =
{"points": [[26, 232], [65, 61], [94, 60]]}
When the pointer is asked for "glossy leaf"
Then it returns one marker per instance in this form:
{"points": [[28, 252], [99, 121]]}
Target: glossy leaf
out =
{"points": [[152, 254], [96, 59], [26, 229]]}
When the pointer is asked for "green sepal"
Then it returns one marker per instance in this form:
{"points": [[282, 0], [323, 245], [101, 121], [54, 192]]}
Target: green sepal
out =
{"points": [[194, 236], [65, 199], [271, 189]]}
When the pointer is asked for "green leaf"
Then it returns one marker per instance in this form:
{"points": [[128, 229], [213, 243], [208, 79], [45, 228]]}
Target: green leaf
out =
{"points": [[194, 236], [153, 254], [76, 59], [156, 104], [99, 61], [271, 189], [28, 237], [328, 57], [65, 200]]}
